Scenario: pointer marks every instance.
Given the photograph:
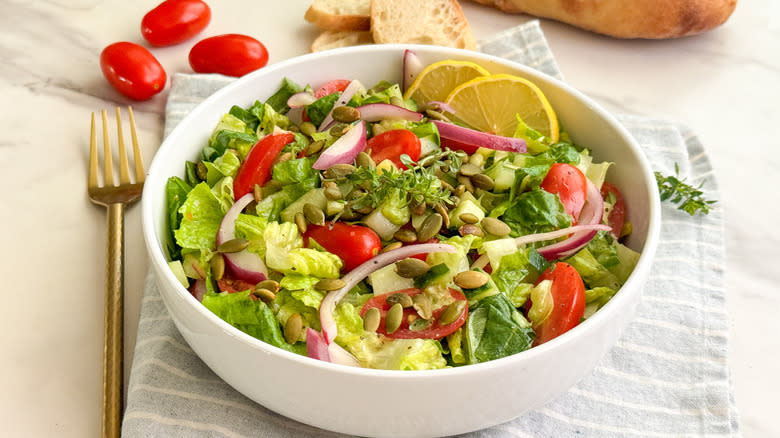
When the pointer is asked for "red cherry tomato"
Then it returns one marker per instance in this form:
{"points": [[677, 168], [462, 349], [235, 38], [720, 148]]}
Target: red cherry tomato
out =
{"points": [[331, 87], [617, 216], [256, 168], [435, 331], [132, 70], [389, 145], [230, 55], [570, 184], [458, 146], [175, 21], [423, 256], [568, 292], [231, 285], [354, 244]]}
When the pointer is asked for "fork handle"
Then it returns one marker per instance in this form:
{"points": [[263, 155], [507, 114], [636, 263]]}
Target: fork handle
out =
{"points": [[113, 347]]}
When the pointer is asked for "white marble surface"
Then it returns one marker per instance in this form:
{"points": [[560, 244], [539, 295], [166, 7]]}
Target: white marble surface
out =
{"points": [[724, 84]]}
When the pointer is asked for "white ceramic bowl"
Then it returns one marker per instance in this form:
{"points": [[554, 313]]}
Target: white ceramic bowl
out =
{"points": [[396, 403]]}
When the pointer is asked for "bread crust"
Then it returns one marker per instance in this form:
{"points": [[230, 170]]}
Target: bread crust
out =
{"points": [[331, 39], [650, 19], [321, 15]]}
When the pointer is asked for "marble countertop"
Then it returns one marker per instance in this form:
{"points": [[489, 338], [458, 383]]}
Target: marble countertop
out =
{"points": [[724, 84]]}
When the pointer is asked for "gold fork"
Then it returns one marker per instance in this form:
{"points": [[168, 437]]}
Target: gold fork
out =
{"points": [[114, 198]]}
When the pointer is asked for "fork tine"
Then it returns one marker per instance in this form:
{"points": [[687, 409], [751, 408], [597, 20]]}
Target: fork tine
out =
{"points": [[92, 181], [140, 175], [108, 169], [124, 167]]}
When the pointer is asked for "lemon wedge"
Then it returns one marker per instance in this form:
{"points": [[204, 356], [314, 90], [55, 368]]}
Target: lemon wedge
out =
{"points": [[490, 103], [437, 80]]}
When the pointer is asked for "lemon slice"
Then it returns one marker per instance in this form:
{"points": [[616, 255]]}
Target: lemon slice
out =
{"points": [[490, 103], [437, 80]]}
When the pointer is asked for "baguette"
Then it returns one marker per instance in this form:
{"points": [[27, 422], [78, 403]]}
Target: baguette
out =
{"points": [[331, 39], [650, 19], [437, 22], [339, 15]]}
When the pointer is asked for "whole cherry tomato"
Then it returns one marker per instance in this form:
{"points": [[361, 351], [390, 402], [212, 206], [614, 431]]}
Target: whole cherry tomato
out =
{"points": [[229, 54], [570, 184], [354, 244], [256, 168], [617, 216], [389, 145], [568, 292], [132, 70], [175, 21], [434, 331]]}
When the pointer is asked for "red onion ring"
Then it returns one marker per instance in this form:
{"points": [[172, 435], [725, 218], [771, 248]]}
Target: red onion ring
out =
{"points": [[412, 66], [245, 265], [471, 137], [345, 149], [591, 214], [344, 99], [301, 99], [374, 112]]}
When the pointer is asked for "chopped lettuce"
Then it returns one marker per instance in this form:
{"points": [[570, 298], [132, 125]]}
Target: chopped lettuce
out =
{"points": [[320, 108], [201, 215], [456, 261], [516, 274], [285, 253], [596, 173], [593, 273], [176, 190], [495, 329], [278, 101], [225, 165], [536, 211]]}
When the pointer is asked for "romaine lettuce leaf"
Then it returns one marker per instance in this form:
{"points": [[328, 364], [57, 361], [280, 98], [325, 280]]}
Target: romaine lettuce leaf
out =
{"points": [[495, 329], [320, 108], [278, 100], [201, 215], [536, 211], [176, 190]]}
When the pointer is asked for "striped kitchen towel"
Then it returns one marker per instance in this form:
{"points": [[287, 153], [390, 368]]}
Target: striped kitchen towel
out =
{"points": [[667, 376]]}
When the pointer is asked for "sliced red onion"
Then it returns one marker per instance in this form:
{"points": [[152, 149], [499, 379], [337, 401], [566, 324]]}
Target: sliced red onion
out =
{"points": [[341, 356], [465, 136], [412, 67], [198, 289], [295, 115], [245, 265], [303, 98], [374, 112], [438, 106], [344, 99], [355, 276], [345, 149], [316, 346]]}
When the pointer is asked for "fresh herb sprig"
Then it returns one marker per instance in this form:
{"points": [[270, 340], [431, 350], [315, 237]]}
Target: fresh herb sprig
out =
{"points": [[687, 198]]}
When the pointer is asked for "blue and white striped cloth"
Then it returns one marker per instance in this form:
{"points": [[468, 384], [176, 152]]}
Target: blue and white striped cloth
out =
{"points": [[667, 376]]}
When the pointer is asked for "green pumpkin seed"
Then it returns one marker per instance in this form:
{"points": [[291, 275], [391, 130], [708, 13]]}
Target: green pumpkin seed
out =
{"points": [[423, 306], [445, 214], [257, 193], [345, 114], [201, 170], [405, 235], [468, 169], [293, 328], [495, 227], [452, 312], [466, 181], [293, 128], [364, 160], [270, 285], [332, 191], [329, 284], [339, 129], [472, 229], [420, 324], [393, 318], [469, 218], [392, 246], [371, 319], [233, 245], [264, 294], [482, 181], [313, 214], [314, 147], [338, 171], [430, 227], [308, 128], [300, 221], [411, 267], [217, 264], [471, 279], [399, 298], [459, 190]]}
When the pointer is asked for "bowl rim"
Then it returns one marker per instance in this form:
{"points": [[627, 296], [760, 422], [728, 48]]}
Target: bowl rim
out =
{"points": [[157, 257]]}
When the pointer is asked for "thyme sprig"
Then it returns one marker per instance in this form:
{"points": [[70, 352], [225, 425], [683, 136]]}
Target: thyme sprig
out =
{"points": [[687, 198]]}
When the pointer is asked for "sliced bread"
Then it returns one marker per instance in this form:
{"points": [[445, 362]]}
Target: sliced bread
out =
{"points": [[339, 14], [436, 22], [331, 39]]}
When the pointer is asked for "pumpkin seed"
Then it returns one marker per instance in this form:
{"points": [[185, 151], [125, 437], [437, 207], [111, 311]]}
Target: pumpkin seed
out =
{"points": [[293, 128], [411, 267], [339, 129], [338, 171], [345, 114], [257, 192], [264, 294], [393, 318], [399, 298], [482, 181], [468, 169], [445, 215], [364, 160], [308, 128], [466, 182], [201, 170], [469, 218], [314, 147], [430, 227], [371, 319], [233, 245], [313, 214], [472, 229], [405, 235], [495, 227], [423, 306], [270, 285], [452, 312], [420, 324], [392, 246], [293, 328], [329, 284], [217, 264], [471, 279], [459, 190], [300, 221], [287, 156]]}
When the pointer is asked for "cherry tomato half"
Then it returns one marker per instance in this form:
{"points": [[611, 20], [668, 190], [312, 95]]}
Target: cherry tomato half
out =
{"points": [[256, 168], [568, 292], [435, 331], [570, 184], [617, 216], [331, 87], [232, 285], [132, 70], [354, 244], [389, 145], [175, 21], [230, 55]]}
